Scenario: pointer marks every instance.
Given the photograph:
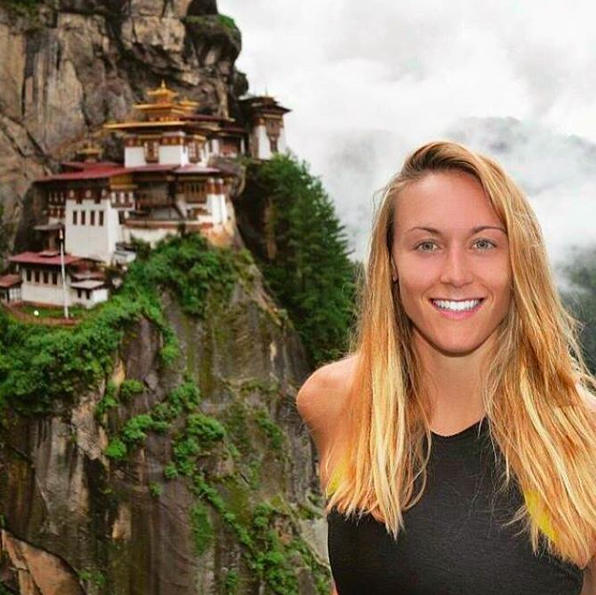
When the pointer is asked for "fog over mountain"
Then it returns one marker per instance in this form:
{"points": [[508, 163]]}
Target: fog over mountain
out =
{"points": [[369, 82]]}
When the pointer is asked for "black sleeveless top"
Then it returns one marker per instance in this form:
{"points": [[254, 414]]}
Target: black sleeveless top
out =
{"points": [[454, 542]]}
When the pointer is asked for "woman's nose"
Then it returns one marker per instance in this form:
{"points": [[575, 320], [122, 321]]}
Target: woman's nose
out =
{"points": [[456, 269]]}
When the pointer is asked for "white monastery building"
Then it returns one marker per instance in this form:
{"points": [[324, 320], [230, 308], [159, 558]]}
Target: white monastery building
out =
{"points": [[165, 184]]}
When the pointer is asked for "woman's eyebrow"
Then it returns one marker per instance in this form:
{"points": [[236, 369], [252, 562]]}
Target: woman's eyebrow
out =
{"points": [[474, 229]]}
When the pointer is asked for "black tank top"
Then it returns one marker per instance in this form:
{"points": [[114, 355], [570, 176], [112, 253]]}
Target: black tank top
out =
{"points": [[454, 542]]}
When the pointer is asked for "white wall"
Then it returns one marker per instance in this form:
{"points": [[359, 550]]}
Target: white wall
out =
{"points": [[92, 240], [263, 144], [152, 235], [96, 296], [134, 156], [281, 141], [216, 203], [173, 155], [44, 293]]}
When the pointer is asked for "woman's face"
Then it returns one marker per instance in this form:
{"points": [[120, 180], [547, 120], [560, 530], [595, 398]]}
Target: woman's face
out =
{"points": [[455, 260]]}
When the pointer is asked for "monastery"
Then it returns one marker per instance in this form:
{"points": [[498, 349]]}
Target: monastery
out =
{"points": [[95, 209]]}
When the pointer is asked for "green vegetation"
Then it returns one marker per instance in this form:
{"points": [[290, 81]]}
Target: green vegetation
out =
{"points": [[310, 273], [202, 530], [580, 298], [39, 364], [25, 8], [155, 489], [128, 389], [227, 22], [95, 577], [220, 21], [56, 312]]}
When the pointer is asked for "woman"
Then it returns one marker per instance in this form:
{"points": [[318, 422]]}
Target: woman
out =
{"points": [[457, 439]]}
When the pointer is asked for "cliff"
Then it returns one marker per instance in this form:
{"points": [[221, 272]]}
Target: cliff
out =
{"points": [[186, 469], [155, 448]]}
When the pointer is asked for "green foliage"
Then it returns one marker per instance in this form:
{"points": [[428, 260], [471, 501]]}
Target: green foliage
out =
{"points": [[580, 299], [202, 530], [231, 582], [155, 489], [116, 449], [129, 388], [25, 8], [227, 22], [186, 266], [39, 364], [271, 429], [135, 429], [94, 577], [311, 273], [108, 401]]}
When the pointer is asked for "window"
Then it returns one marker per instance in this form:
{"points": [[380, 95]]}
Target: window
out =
{"points": [[54, 277], [28, 274], [79, 293], [88, 293], [92, 217], [46, 277], [36, 274], [121, 217], [74, 217], [100, 217], [83, 214], [151, 151]]}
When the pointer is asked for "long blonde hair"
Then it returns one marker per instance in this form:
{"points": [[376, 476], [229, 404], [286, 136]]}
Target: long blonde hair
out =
{"points": [[538, 394]]}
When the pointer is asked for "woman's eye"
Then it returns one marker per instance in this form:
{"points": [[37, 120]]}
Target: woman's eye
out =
{"points": [[430, 242]]}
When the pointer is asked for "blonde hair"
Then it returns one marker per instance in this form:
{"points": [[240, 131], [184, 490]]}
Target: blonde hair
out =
{"points": [[538, 394]]}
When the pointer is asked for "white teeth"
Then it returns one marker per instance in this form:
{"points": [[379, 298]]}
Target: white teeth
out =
{"points": [[456, 306]]}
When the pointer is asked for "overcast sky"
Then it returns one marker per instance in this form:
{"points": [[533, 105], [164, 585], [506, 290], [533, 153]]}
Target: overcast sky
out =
{"points": [[370, 81]]}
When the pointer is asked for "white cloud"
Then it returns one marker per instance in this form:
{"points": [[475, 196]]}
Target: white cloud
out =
{"points": [[368, 82]]}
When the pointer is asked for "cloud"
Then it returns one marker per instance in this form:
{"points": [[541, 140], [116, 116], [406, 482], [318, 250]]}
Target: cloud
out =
{"points": [[368, 82]]}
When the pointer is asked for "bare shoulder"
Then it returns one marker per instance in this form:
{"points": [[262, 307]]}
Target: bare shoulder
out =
{"points": [[320, 398]]}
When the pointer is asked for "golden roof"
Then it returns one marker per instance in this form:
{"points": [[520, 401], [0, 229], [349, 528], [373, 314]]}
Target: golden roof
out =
{"points": [[162, 93]]}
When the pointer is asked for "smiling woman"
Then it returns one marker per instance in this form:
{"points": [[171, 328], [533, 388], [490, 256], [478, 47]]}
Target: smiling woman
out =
{"points": [[457, 439]]}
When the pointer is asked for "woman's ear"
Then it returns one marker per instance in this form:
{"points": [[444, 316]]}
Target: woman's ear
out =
{"points": [[393, 270]]}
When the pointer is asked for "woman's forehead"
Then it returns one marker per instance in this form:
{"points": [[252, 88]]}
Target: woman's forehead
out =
{"points": [[444, 201]]}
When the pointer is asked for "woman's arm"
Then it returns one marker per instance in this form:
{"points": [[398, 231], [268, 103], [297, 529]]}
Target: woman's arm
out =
{"points": [[334, 592]]}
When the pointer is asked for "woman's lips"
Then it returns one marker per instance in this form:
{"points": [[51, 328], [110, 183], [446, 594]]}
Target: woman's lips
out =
{"points": [[458, 315]]}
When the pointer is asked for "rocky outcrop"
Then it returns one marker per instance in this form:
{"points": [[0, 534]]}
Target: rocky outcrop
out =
{"points": [[69, 66], [75, 517]]}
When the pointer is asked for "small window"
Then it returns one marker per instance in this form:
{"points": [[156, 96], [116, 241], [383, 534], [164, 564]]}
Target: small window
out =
{"points": [[92, 218], [79, 293], [36, 274], [28, 274], [46, 277], [74, 217], [83, 215], [88, 293], [121, 217], [100, 218], [54, 277]]}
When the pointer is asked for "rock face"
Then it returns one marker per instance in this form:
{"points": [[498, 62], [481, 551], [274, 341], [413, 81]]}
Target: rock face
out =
{"points": [[69, 66], [77, 521]]}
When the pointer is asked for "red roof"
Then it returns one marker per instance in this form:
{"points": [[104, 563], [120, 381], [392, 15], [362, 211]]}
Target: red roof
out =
{"points": [[107, 171], [38, 258], [92, 173], [10, 280]]}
